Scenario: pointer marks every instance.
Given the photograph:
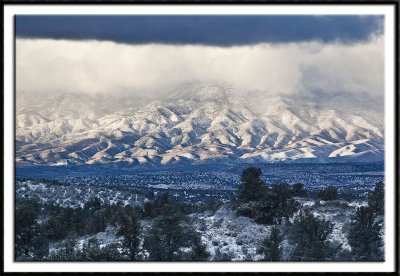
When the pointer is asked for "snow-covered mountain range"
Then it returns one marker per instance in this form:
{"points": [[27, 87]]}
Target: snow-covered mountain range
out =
{"points": [[197, 123]]}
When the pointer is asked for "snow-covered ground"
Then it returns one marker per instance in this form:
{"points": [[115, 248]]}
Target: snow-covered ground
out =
{"points": [[191, 127], [75, 196], [238, 237], [221, 231], [109, 236]]}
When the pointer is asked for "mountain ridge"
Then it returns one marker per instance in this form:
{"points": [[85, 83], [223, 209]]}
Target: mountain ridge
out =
{"points": [[197, 123]]}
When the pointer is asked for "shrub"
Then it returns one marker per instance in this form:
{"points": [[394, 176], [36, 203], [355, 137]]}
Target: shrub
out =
{"points": [[328, 193], [308, 235]]}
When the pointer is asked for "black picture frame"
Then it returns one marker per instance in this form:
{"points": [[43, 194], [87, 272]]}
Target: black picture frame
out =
{"points": [[220, 2]]}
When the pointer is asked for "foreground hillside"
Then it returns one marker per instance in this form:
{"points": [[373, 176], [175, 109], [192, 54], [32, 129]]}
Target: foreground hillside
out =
{"points": [[260, 222]]}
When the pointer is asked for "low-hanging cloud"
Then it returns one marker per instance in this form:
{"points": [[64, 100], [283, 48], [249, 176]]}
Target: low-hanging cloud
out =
{"points": [[61, 66]]}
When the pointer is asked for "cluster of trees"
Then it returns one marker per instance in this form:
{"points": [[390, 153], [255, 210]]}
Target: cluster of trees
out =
{"points": [[30, 241], [266, 204], [171, 230], [308, 234], [36, 225], [127, 221], [364, 235], [90, 251], [162, 230]]}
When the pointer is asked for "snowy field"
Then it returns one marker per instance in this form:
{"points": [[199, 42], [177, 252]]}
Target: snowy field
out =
{"points": [[191, 183], [237, 238]]}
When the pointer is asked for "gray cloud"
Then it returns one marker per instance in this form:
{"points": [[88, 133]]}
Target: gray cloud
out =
{"points": [[216, 30], [60, 66]]}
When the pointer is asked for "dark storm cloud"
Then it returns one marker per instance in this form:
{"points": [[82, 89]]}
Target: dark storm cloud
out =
{"points": [[220, 30]]}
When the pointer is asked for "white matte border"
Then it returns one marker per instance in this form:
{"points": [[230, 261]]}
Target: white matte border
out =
{"points": [[386, 10]]}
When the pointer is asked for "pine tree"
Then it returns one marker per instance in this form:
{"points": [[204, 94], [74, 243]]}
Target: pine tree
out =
{"points": [[130, 229], [90, 250], [309, 235], [40, 247], [284, 206], [68, 253], [54, 229], [376, 199], [165, 238], [199, 250], [110, 252], [96, 222], [26, 228], [154, 244], [364, 235], [328, 193], [252, 188], [93, 204], [298, 190], [265, 204], [70, 248], [270, 246], [221, 257]]}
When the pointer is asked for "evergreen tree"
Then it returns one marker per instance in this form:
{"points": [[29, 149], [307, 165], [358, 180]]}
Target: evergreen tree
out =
{"points": [[26, 228], [364, 235], [298, 190], [155, 244], [68, 253], [266, 205], [283, 205], [199, 250], [68, 218], [210, 205], [328, 193], [148, 209], [110, 252], [40, 247], [261, 211], [167, 235], [270, 246], [70, 248], [130, 229], [221, 257], [90, 250], [252, 188], [309, 235], [54, 228], [96, 222], [93, 204], [164, 199], [376, 199]]}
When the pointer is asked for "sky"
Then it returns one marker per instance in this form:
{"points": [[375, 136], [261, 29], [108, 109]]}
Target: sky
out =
{"points": [[223, 30], [281, 55]]}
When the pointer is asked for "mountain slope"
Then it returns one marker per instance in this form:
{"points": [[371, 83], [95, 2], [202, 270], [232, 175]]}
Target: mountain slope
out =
{"points": [[195, 123]]}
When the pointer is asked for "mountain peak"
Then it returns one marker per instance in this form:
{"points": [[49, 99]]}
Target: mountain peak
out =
{"points": [[200, 92]]}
